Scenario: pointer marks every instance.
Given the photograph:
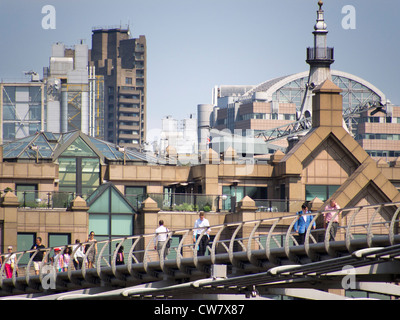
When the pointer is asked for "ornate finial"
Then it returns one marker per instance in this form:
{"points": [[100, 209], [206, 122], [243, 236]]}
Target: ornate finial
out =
{"points": [[320, 25]]}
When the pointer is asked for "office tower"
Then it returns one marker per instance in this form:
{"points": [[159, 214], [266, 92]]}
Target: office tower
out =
{"points": [[74, 94], [122, 61]]}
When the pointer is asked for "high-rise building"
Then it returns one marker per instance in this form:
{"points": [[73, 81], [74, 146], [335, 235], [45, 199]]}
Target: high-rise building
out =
{"points": [[121, 59]]}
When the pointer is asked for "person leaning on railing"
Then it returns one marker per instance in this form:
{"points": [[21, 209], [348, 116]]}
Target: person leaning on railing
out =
{"points": [[38, 258], [302, 223], [11, 263], [330, 214]]}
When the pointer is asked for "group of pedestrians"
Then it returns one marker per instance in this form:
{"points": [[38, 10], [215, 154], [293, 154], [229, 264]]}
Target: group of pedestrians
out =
{"points": [[61, 258], [305, 218], [201, 238]]}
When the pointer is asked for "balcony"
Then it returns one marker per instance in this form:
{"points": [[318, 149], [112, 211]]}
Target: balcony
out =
{"points": [[214, 203], [320, 54], [45, 199]]}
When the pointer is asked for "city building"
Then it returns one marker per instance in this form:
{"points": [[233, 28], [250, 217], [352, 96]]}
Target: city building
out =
{"points": [[53, 177], [74, 96], [272, 107], [122, 61], [60, 186], [22, 109]]}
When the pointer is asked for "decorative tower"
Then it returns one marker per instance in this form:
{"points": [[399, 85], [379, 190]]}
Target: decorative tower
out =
{"points": [[319, 57]]}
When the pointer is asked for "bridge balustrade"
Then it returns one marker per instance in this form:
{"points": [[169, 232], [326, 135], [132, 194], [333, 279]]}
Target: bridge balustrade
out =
{"points": [[259, 244]]}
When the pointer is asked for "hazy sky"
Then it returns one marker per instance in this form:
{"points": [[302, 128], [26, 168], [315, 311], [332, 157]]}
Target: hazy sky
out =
{"points": [[195, 45]]}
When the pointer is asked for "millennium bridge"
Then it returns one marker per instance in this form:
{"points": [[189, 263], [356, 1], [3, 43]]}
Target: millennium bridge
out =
{"points": [[251, 259]]}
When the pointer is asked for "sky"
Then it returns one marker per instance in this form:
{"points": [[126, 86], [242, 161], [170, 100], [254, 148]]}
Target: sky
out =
{"points": [[193, 46]]}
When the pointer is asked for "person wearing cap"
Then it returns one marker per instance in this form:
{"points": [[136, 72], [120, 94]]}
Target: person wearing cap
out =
{"points": [[10, 263], [302, 223]]}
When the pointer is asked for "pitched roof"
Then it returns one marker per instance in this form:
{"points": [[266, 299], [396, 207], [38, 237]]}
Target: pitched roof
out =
{"points": [[49, 146]]}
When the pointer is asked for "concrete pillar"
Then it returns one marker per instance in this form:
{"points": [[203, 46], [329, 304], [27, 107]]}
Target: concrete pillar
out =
{"points": [[327, 106], [9, 215], [146, 221], [245, 211], [80, 213]]}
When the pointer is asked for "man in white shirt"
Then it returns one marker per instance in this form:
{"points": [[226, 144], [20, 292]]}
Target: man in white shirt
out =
{"points": [[161, 238], [79, 254], [199, 225]]}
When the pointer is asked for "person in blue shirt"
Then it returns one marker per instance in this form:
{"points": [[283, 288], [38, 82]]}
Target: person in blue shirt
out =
{"points": [[302, 223]]}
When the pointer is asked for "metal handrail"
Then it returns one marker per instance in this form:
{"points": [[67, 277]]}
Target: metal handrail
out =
{"points": [[142, 255]]}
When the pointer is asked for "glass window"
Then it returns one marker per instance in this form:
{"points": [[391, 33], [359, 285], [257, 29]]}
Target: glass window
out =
{"points": [[135, 194], [128, 80], [67, 174], [59, 239], [79, 148], [79, 169], [35, 95], [118, 205], [323, 192], [8, 112], [99, 223], [27, 194], [121, 225], [332, 190], [102, 203], [9, 94], [35, 112], [256, 192], [90, 175], [9, 131], [110, 214], [25, 242], [315, 191]]}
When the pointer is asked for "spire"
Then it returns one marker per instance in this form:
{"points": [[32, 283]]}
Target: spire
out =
{"points": [[319, 57], [320, 54], [320, 26]]}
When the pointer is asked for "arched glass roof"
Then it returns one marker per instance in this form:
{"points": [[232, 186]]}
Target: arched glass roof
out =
{"points": [[291, 89]]}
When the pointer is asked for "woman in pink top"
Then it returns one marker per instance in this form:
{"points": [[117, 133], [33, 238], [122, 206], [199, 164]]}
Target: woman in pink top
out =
{"points": [[329, 215]]}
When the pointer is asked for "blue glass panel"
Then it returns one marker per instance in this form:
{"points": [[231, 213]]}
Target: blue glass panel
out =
{"points": [[121, 225]]}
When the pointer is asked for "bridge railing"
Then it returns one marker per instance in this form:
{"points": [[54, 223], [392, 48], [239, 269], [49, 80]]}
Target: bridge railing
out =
{"points": [[245, 239]]}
